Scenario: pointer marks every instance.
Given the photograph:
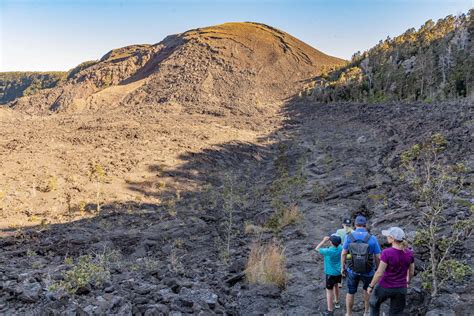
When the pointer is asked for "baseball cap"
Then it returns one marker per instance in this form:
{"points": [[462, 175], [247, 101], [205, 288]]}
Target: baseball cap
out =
{"points": [[335, 239], [360, 220], [347, 221], [395, 232]]}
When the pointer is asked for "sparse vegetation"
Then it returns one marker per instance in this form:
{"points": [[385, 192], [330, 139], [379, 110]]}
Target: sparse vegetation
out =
{"points": [[17, 84], [319, 191], [97, 175], [50, 185], [74, 71], [251, 229], [175, 261], [436, 183], [284, 217], [86, 271], [266, 264], [285, 191], [233, 197]]}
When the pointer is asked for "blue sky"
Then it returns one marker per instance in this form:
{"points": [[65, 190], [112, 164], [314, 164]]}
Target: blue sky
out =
{"points": [[57, 35]]}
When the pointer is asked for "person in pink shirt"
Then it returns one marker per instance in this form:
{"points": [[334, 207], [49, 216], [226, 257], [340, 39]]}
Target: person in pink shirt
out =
{"points": [[394, 273]]}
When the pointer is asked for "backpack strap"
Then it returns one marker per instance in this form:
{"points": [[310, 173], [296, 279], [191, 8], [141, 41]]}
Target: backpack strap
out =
{"points": [[367, 237], [351, 237]]}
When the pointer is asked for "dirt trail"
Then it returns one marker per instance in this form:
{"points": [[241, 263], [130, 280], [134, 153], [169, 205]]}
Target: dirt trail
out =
{"points": [[341, 156]]}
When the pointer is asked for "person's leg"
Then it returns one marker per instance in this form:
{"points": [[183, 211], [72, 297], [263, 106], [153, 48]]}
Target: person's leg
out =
{"points": [[366, 280], [349, 304], [336, 293], [376, 300], [352, 284], [397, 301], [329, 292], [330, 299]]}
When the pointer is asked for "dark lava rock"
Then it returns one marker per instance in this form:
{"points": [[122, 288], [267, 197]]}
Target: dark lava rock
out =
{"points": [[29, 291]]}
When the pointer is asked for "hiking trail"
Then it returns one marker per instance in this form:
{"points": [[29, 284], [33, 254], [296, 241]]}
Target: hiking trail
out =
{"points": [[342, 158]]}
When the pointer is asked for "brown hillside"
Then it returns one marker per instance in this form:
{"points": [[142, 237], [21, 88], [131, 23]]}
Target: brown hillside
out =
{"points": [[233, 67]]}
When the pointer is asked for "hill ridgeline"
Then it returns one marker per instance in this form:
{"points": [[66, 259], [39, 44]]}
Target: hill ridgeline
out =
{"points": [[233, 67]]}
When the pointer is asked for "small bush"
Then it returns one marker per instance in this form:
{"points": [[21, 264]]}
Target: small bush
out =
{"points": [[266, 265], [251, 229], [85, 272], [284, 217], [320, 192]]}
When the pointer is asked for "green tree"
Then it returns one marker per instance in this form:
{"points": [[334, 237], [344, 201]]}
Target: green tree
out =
{"points": [[436, 184]]}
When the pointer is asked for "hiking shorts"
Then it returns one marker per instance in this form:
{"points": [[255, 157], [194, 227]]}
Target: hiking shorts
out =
{"points": [[332, 280], [353, 281]]}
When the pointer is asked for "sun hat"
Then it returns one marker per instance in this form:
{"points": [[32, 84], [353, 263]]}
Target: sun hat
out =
{"points": [[360, 220], [395, 232]]}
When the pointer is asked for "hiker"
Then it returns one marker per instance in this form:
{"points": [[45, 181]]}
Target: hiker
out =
{"points": [[361, 251], [395, 271], [346, 229], [332, 270]]}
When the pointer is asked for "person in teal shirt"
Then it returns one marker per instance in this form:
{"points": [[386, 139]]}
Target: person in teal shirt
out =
{"points": [[332, 270]]}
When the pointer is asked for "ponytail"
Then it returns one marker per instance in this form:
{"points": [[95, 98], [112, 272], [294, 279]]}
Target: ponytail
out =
{"points": [[403, 243]]}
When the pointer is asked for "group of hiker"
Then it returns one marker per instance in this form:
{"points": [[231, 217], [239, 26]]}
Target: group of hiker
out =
{"points": [[355, 254]]}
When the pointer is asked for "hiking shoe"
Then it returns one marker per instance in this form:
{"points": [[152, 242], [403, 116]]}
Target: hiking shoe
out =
{"points": [[337, 305]]}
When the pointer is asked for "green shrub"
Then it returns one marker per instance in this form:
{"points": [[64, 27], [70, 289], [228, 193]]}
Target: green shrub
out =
{"points": [[84, 272], [435, 184]]}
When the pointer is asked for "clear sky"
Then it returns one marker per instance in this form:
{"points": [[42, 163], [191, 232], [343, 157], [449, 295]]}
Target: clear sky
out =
{"points": [[59, 34]]}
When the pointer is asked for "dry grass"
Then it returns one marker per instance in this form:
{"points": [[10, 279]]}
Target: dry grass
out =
{"points": [[251, 229], [266, 264], [290, 215], [287, 215]]}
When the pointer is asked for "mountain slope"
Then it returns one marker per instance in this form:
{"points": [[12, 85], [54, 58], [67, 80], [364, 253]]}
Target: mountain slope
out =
{"points": [[435, 62], [233, 67]]}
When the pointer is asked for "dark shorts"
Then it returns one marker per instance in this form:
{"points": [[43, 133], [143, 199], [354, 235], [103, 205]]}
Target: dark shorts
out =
{"points": [[332, 280], [353, 282]]}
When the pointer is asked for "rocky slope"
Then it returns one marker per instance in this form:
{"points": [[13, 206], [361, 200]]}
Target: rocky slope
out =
{"points": [[166, 257], [230, 67]]}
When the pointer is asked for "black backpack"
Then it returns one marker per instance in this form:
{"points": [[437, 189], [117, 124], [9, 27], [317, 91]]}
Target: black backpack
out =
{"points": [[361, 260]]}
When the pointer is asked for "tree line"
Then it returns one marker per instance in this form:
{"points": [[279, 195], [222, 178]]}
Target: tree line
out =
{"points": [[433, 63]]}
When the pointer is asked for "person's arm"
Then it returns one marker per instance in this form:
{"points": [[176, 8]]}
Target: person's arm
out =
{"points": [[376, 250], [325, 239], [377, 260], [343, 261], [411, 272], [345, 251], [378, 274]]}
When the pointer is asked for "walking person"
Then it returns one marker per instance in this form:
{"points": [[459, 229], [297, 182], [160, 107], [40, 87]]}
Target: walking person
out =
{"points": [[359, 258], [342, 232], [332, 270], [346, 229], [395, 271]]}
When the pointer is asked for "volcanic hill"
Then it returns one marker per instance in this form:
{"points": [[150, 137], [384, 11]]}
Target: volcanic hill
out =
{"points": [[232, 67]]}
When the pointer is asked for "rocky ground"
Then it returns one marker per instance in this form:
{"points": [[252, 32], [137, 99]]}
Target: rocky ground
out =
{"points": [[165, 253]]}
